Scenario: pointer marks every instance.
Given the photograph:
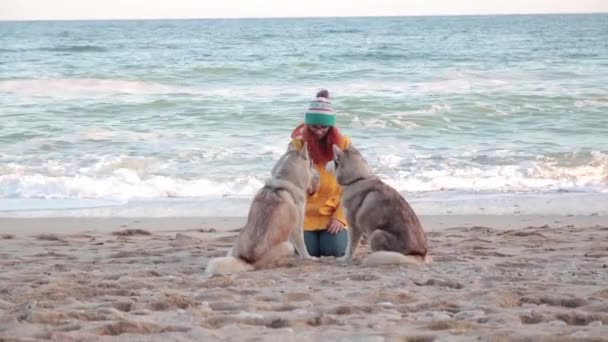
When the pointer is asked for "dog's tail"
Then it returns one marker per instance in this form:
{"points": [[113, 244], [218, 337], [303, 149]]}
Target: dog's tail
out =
{"points": [[380, 258], [227, 265]]}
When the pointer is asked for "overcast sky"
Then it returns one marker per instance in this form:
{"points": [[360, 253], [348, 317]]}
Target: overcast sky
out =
{"points": [[127, 9]]}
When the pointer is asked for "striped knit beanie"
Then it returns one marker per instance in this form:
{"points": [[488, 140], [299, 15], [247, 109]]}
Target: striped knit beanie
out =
{"points": [[320, 112]]}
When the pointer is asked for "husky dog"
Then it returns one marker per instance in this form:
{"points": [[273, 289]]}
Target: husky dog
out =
{"points": [[373, 207], [275, 218]]}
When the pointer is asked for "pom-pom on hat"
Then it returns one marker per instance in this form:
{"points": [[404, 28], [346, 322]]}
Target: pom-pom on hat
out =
{"points": [[320, 111]]}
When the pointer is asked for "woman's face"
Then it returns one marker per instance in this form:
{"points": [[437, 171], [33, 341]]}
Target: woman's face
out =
{"points": [[319, 131]]}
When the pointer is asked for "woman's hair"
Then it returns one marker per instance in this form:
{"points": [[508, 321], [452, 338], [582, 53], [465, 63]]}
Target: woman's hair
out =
{"points": [[321, 151]]}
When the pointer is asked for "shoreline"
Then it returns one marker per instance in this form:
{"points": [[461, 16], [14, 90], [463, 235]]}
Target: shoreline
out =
{"points": [[424, 204], [103, 225]]}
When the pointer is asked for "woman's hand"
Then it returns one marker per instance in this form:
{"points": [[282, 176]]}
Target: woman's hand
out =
{"points": [[334, 226]]}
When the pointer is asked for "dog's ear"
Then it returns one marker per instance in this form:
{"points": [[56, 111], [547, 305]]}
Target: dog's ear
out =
{"points": [[337, 152], [304, 151], [353, 150], [291, 147]]}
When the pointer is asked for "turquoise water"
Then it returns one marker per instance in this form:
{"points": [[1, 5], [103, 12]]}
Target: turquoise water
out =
{"points": [[187, 112]]}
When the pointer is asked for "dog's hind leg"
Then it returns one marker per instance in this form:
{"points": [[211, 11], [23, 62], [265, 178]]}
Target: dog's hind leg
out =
{"points": [[387, 250], [278, 256], [381, 240]]}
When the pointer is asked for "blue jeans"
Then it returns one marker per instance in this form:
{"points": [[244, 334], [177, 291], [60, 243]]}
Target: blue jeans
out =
{"points": [[321, 243]]}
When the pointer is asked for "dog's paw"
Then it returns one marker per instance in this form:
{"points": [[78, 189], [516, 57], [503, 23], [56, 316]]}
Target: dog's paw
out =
{"points": [[344, 260], [313, 258]]}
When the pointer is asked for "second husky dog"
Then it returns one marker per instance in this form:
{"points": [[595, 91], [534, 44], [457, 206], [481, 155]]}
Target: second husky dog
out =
{"points": [[275, 218], [393, 229]]}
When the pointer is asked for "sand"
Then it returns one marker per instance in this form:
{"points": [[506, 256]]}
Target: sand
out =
{"points": [[511, 278]]}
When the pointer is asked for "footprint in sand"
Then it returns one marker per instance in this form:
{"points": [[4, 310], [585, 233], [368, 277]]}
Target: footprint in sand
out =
{"points": [[230, 306], [361, 277], [131, 232], [184, 240], [581, 318], [217, 322], [442, 283], [131, 254], [172, 301], [532, 317], [132, 327], [351, 309], [564, 302], [321, 319], [48, 237], [124, 306], [450, 324], [297, 297]]}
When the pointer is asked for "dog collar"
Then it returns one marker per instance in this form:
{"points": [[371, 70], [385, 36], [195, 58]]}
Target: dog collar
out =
{"points": [[354, 181]]}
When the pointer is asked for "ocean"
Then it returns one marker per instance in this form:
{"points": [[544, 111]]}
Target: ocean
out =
{"points": [[463, 114]]}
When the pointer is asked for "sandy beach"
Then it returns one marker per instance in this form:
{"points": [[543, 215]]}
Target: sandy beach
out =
{"points": [[494, 278]]}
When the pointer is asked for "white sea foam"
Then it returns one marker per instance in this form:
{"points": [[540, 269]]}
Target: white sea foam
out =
{"points": [[529, 176], [84, 87], [122, 184], [125, 178], [596, 102], [439, 107], [93, 87]]}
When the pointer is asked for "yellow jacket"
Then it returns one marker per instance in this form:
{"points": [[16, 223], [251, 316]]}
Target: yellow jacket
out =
{"points": [[325, 203]]}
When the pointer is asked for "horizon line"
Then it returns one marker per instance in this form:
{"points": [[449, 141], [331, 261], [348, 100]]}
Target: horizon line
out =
{"points": [[306, 17]]}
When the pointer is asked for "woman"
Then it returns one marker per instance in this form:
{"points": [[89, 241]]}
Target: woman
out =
{"points": [[324, 224]]}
